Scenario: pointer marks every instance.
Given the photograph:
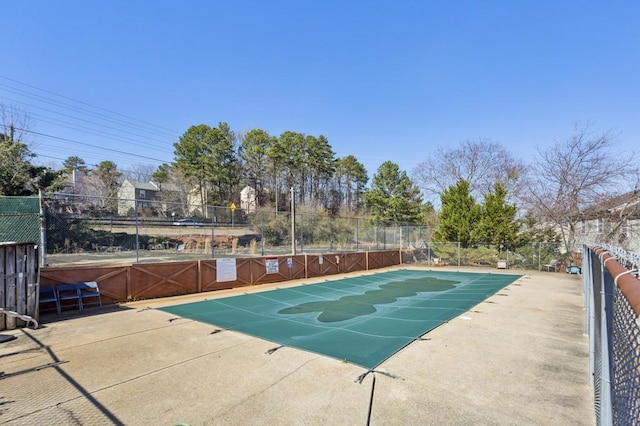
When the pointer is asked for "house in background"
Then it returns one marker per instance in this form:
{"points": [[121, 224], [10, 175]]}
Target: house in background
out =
{"points": [[248, 201], [76, 182], [615, 221], [130, 191], [196, 202]]}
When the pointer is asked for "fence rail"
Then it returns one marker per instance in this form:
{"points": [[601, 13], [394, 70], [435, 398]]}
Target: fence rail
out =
{"points": [[612, 296]]}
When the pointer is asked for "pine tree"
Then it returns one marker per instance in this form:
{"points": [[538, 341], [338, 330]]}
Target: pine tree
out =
{"points": [[459, 215], [497, 224], [393, 197]]}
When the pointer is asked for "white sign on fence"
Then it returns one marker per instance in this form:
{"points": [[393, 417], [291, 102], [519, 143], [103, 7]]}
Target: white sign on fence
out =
{"points": [[226, 269], [271, 263]]}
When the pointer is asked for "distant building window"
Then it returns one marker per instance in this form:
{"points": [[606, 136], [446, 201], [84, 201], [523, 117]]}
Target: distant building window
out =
{"points": [[600, 226], [143, 193]]}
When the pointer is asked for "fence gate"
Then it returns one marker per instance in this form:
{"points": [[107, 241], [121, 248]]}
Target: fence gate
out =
{"points": [[19, 279]]}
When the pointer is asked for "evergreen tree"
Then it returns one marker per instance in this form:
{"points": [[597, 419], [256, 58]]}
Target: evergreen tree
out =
{"points": [[193, 157], [320, 161], [393, 197], [253, 154], [205, 155], [161, 175], [224, 176], [350, 179], [497, 224], [459, 215], [15, 168]]}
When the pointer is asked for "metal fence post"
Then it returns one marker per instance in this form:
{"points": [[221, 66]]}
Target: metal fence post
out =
{"points": [[384, 237], [330, 235], [539, 256], [43, 231], [301, 233], [213, 236], [261, 232], [293, 222], [606, 317], [135, 213], [589, 305]]}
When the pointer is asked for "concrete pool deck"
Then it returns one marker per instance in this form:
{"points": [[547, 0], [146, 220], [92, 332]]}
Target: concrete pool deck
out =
{"points": [[520, 357]]}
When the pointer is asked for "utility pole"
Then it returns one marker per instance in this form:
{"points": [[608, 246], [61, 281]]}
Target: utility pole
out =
{"points": [[293, 222]]}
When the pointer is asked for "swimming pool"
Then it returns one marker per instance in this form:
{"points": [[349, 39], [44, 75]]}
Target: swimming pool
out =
{"points": [[362, 320]]}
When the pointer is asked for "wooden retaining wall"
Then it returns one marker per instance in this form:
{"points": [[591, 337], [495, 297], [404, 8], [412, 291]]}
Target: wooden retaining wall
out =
{"points": [[127, 282], [18, 282]]}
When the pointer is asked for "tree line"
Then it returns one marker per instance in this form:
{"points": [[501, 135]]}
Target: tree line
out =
{"points": [[479, 192], [209, 159]]}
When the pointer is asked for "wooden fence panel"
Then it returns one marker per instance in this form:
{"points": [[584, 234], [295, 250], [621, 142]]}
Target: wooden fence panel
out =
{"points": [[208, 271], [21, 282], [322, 264], [10, 285], [313, 265], [33, 280], [260, 274], [374, 260], [148, 280], [382, 259], [391, 258], [18, 282], [208, 275], [289, 268], [298, 267], [245, 276], [112, 280], [353, 262]]}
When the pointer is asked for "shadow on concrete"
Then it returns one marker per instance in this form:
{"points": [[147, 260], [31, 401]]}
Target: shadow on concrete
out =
{"points": [[55, 364]]}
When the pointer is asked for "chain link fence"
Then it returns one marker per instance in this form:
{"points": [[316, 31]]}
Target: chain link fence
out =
{"points": [[613, 326], [82, 229], [531, 256]]}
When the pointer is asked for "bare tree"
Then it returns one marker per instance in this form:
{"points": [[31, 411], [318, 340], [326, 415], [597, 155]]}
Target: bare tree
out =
{"points": [[573, 176], [139, 172], [15, 124], [481, 163]]}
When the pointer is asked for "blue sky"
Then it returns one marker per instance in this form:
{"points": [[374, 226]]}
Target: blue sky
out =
{"points": [[382, 80]]}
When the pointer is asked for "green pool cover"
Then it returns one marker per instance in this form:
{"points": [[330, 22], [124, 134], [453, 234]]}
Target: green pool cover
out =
{"points": [[361, 320]]}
